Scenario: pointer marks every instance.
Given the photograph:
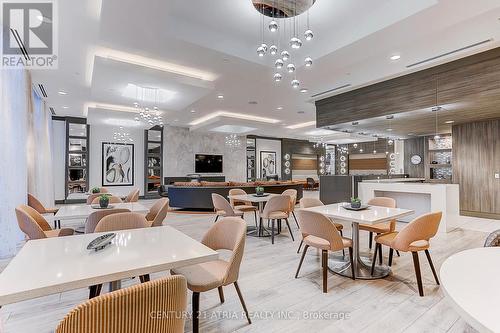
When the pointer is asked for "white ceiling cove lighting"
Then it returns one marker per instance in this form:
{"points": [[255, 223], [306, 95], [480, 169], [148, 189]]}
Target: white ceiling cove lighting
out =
{"points": [[233, 129], [320, 132], [151, 95], [233, 115], [301, 125]]}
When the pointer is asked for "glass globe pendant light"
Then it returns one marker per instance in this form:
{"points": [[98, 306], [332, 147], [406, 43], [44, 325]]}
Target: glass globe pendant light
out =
{"points": [[273, 49], [260, 51], [285, 55], [278, 63], [308, 61], [295, 43], [290, 68], [308, 35], [273, 26], [295, 83], [277, 77]]}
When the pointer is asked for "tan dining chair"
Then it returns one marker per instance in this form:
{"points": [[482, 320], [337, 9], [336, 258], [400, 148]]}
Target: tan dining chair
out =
{"points": [[223, 208], [115, 222], [133, 196], [158, 212], [277, 209], [414, 237], [242, 205], [226, 234], [112, 200], [92, 196], [34, 203], [96, 216], [155, 307], [292, 193], [322, 235], [314, 202], [34, 225]]}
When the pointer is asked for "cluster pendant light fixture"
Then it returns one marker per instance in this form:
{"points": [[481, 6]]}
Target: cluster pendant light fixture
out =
{"points": [[148, 113], [282, 19]]}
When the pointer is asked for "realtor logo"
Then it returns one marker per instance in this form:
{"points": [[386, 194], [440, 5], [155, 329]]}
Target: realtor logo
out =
{"points": [[29, 34]]}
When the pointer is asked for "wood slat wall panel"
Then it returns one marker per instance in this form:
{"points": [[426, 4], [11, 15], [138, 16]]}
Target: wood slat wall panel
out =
{"points": [[368, 164], [476, 158], [412, 147], [304, 164]]}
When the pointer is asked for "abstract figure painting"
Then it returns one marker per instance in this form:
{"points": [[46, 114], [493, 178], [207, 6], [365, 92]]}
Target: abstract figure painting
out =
{"points": [[267, 164], [117, 164]]}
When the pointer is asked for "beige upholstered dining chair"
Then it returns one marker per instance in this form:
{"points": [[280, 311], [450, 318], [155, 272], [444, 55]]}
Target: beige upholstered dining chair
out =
{"points": [[277, 209], [322, 235], [383, 227], [96, 216], [292, 193], [154, 307], [223, 208], [414, 237], [241, 205], [133, 196], [112, 200], [314, 202], [158, 212], [226, 234], [92, 196], [103, 190], [34, 225], [34, 203]]}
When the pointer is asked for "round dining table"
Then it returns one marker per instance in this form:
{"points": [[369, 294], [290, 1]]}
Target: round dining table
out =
{"points": [[470, 281]]}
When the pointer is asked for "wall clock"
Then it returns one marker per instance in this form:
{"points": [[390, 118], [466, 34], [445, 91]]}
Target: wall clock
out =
{"points": [[416, 159]]}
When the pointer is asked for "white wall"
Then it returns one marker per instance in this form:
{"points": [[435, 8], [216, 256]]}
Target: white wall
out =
{"points": [[58, 157], [180, 145], [269, 145], [104, 133], [14, 89]]}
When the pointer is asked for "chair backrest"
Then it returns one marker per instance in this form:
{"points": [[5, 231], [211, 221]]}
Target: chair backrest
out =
{"points": [[220, 203], [310, 202], [154, 307], [133, 196], [228, 233], [158, 212], [91, 197], [423, 227], [96, 216], [103, 190], [493, 239], [317, 224], [34, 203], [31, 222], [385, 202], [292, 193], [112, 200], [121, 221], [279, 203], [238, 191]]}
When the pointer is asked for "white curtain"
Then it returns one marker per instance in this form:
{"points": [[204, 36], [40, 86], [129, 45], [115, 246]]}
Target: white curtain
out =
{"points": [[15, 90], [39, 158]]}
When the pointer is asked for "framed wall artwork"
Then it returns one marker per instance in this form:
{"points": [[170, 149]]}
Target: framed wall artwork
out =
{"points": [[117, 164], [267, 164]]}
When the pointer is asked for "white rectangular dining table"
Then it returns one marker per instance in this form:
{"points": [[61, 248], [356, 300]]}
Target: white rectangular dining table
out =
{"points": [[371, 215], [261, 231], [54, 265], [82, 211]]}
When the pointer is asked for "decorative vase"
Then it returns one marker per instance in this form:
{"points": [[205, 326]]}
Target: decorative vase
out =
{"points": [[356, 204], [104, 202]]}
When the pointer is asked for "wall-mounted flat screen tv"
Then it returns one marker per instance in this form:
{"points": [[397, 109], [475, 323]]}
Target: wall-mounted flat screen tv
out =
{"points": [[204, 163]]}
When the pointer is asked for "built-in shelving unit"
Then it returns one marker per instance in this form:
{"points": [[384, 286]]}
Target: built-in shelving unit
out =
{"points": [[77, 159], [153, 162], [439, 156], [251, 159]]}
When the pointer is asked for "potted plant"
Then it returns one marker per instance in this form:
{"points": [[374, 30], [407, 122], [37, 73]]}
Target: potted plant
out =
{"points": [[95, 190], [259, 190], [103, 201], [355, 203]]}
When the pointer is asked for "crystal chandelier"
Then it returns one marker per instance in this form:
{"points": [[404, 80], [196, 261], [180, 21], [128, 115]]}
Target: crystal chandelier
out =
{"points": [[122, 136], [233, 141], [148, 113], [283, 13]]}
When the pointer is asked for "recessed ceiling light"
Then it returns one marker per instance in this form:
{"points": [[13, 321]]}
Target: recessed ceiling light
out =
{"points": [[303, 90], [193, 111], [220, 96], [279, 108], [395, 57], [65, 107], [411, 134], [389, 130], [449, 122], [62, 92]]}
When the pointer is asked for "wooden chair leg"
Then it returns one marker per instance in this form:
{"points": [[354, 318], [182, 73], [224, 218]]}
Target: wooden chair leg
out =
{"points": [[272, 231], [391, 252], [324, 259], [351, 258], [380, 261], [295, 218], [279, 226], [342, 235], [300, 245], [242, 302], [221, 294], [370, 240], [301, 260], [397, 252], [432, 266], [374, 261], [216, 218], [289, 229], [416, 263], [196, 312], [255, 215]]}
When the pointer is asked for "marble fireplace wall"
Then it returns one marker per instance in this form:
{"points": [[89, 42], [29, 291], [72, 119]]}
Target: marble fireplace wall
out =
{"points": [[180, 146]]}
